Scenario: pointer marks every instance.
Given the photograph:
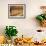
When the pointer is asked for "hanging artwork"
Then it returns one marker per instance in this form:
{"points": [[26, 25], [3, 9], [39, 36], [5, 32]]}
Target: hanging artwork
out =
{"points": [[16, 11]]}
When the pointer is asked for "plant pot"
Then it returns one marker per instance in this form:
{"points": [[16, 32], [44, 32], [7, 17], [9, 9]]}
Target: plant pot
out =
{"points": [[13, 38], [43, 23], [9, 41]]}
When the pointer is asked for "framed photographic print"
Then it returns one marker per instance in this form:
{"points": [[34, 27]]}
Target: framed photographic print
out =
{"points": [[16, 11]]}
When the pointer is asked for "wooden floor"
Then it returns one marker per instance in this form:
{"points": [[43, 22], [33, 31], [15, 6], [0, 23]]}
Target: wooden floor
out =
{"points": [[31, 45]]}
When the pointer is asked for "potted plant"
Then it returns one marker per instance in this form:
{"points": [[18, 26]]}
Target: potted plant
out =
{"points": [[42, 19], [10, 31]]}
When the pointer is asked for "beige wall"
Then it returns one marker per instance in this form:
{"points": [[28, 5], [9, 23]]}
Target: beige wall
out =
{"points": [[25, 26]]}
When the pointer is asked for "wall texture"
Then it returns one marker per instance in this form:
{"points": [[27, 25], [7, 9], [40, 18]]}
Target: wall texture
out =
{"points": [[27, 26]]}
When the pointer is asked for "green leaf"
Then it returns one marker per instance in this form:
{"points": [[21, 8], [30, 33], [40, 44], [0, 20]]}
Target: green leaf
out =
{"points": [[10, 31], [45, 16], [40, 18]]}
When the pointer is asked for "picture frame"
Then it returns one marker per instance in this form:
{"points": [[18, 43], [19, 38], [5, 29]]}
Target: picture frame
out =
{"points": [[16, 11]]}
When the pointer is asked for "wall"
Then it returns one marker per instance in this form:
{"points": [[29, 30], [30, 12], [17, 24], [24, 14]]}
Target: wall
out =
{"points": [[26, 26]]}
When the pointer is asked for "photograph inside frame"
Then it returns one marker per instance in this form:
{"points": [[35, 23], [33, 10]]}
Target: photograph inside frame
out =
{"points": [[16, 10]]}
